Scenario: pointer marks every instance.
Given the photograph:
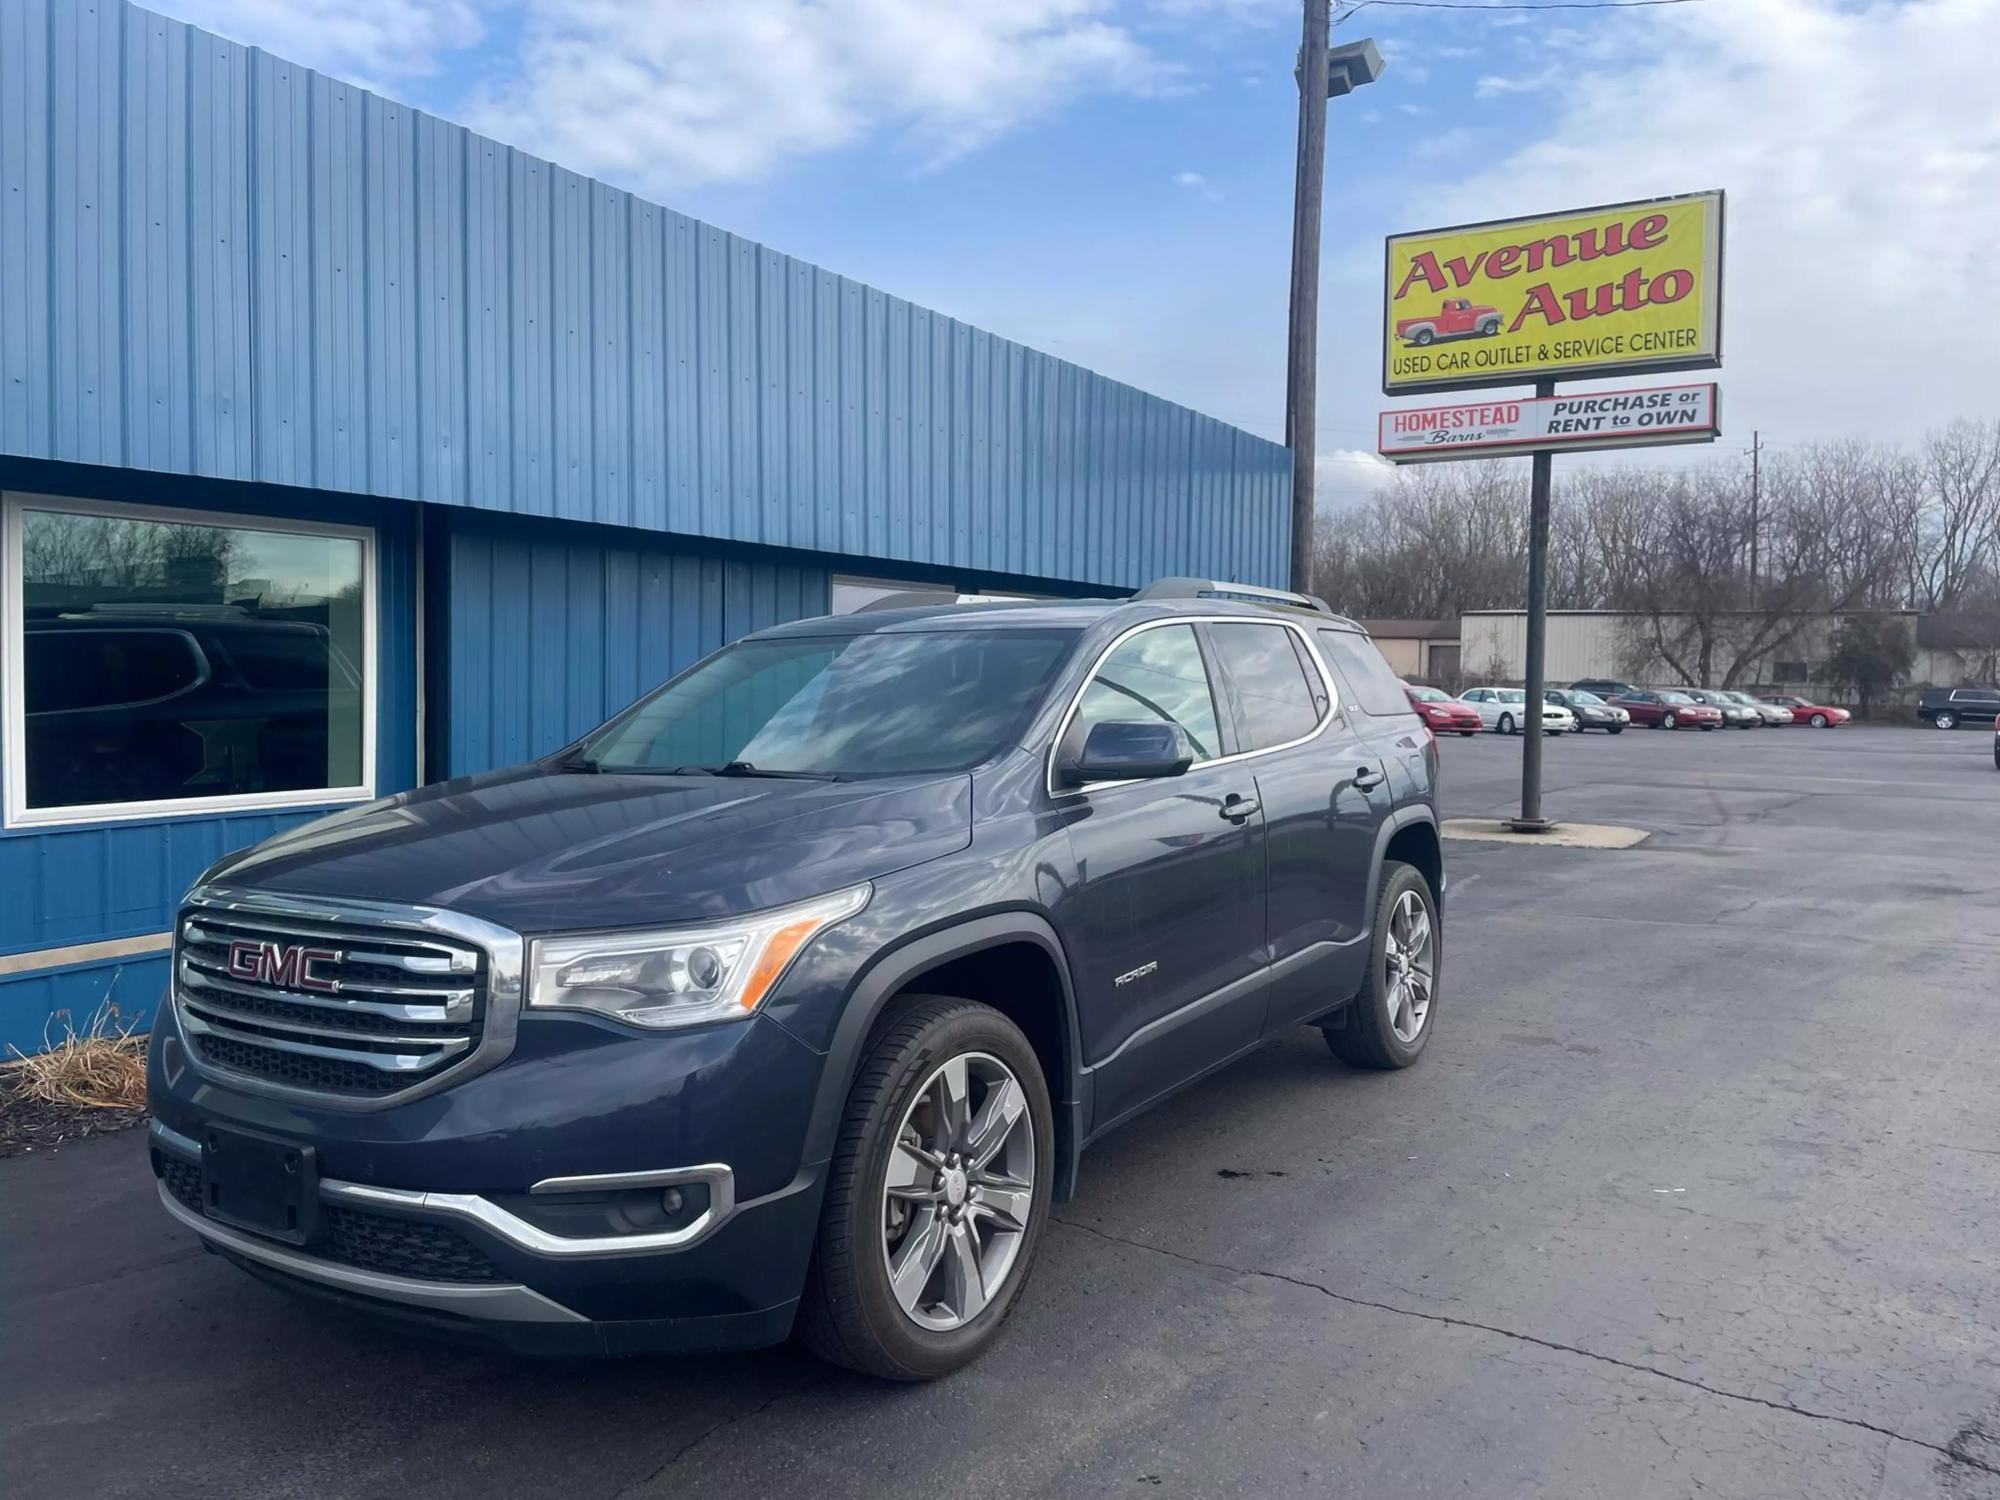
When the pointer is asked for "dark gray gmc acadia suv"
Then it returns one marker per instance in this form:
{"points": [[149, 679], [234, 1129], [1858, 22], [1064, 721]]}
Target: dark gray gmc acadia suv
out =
{"points": [[793, 994]]}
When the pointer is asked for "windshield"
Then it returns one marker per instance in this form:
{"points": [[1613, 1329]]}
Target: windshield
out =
{"points": [[1675, 698], [1429, 695], [1513, 695], [850, 705], [1588, 700]]}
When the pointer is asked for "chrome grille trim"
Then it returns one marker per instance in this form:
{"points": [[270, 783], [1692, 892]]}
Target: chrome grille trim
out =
{"points": [[469, 969], [456, 962], [386, 1062], [455, 1004]]}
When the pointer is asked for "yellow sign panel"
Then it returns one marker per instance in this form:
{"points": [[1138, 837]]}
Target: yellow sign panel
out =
{"points": [[1618, 290]]}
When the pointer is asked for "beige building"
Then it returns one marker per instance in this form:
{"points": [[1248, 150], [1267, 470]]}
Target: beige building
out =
{"points": [[1950, 649], [1419, 650]]}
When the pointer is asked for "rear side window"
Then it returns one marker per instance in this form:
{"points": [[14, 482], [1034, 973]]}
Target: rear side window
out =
{"points": [[1277, 701], [1372, 685]]}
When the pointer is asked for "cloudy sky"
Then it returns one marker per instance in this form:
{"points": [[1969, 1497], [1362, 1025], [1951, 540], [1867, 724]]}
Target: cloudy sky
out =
{"points": [[1110, 180]]}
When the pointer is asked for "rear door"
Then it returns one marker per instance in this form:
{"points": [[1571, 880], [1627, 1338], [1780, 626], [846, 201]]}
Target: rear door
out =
{"points": [[1323, 789]]}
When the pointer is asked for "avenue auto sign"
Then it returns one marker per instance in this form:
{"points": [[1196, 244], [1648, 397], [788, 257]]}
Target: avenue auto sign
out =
{"points": [[1597, 419], [1623, 289]]}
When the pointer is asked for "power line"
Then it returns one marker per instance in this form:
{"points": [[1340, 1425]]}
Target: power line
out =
{"points": [[1511, 5]]}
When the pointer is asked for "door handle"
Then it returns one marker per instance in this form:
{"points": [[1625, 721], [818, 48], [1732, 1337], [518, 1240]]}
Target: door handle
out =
{"points": [[1236, 807], [1367, 778]]}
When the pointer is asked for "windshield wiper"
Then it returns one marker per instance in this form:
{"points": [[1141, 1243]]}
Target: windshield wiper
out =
{"points": [[744, 768], [582, 765]]}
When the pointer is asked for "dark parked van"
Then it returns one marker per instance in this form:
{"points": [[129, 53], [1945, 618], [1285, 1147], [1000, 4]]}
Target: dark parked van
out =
{"points": [[794, 993]]}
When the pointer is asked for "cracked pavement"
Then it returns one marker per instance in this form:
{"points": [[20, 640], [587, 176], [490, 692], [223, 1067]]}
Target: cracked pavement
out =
{"points": [[1694, 1193]]}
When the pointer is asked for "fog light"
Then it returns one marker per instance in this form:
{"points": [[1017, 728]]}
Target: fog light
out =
{"points": [[672, 1201]]}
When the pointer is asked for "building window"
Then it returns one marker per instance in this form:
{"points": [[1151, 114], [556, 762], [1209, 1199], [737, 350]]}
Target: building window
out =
{"points": [[162, 662], [847, 594]]}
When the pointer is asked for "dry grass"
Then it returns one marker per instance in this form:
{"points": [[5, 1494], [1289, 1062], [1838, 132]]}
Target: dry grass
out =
{"points": [[101, 1067]]}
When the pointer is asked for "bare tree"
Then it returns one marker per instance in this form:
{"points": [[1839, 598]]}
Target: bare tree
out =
{"points": [[1961, 511]]}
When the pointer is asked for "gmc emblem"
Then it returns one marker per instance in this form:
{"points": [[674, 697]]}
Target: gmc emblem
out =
{"points": [[286, 966]]}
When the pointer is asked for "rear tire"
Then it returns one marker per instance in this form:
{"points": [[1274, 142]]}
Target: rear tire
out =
{"points": [[1364, 1032], [850, 1314]]}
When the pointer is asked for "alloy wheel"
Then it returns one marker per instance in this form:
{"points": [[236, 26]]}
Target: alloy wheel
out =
{"points": [[959, 1189], [1411, 956]]}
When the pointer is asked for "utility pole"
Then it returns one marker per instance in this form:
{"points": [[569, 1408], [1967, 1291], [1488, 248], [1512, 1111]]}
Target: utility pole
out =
{"points": [[1302, 344], [1756, 497]]}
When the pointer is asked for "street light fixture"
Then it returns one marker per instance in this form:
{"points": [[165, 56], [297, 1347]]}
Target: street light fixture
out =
{"points": [[1345, 69]]}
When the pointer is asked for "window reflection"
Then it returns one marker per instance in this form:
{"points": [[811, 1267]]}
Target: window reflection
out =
{"points": [[165, 660]]}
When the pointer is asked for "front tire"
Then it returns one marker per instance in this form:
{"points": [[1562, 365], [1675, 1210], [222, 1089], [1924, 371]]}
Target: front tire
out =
{"points": [[1388, 1024], [1669, 721], [1946, 720], [936, 1196], [1818, 721], [1506, 724]]}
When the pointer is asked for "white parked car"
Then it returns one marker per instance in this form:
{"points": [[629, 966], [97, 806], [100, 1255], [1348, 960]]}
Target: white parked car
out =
{"points": [[1504, 710]]}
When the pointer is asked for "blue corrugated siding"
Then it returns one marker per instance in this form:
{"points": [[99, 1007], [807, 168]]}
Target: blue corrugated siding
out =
{"points": [[216, 262], [553, 630], [47, 1005]]}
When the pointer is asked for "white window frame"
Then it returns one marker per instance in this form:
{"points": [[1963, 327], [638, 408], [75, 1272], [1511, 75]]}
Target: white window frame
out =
{"points": [[13, 706]]}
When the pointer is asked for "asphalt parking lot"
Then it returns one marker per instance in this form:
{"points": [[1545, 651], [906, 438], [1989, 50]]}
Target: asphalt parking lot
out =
{"points": [[1696, 1192]]}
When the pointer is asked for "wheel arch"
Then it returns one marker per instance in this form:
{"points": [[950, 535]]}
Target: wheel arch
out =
{"points": [[1410, 836], [1011, 960]]}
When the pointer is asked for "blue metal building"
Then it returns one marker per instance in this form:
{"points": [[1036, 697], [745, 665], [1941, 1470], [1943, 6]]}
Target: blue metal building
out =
{"points": [[342, 449]]}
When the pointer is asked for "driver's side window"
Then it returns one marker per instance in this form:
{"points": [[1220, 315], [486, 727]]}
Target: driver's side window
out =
{"points": [[1156, 675]]}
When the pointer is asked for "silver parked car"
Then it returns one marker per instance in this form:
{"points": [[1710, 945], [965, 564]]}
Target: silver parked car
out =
{"points": [[1735, 714]]}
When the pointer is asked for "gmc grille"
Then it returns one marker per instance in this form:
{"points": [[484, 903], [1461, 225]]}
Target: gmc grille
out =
{"points": [[333, 1008]]}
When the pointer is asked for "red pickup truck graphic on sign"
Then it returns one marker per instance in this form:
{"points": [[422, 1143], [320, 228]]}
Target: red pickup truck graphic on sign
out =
{"points": [[1457, 319]]}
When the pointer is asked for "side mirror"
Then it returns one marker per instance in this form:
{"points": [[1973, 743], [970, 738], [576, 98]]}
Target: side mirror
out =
{"points": [[1127, 750]]}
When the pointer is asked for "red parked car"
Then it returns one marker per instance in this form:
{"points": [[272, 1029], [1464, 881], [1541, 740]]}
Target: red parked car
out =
{"points": [[1444, 713], [1819, 715], [1663, 708]]}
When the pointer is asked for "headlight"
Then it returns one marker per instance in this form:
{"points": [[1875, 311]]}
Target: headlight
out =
{"points": [[679, 976]]}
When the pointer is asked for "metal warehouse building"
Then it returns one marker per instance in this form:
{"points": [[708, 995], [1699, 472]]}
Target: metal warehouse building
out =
{"points": [[344, 450]]}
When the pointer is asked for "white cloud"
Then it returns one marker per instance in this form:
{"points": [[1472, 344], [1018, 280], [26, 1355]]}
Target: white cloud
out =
{"points": [[1348, 476], [363, 39], [663, 94], [1492, 86], [1190, 179], [1860, 147]]}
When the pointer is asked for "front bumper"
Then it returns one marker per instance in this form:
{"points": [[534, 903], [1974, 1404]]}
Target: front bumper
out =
{"points": [[467, 1268], [442, 1211]]}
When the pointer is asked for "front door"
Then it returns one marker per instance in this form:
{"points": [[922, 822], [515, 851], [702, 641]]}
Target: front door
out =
{"points": [[1166, 930]]}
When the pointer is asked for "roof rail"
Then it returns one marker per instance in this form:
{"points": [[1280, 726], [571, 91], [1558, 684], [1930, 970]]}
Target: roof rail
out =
{"points": [[1249, 593]]}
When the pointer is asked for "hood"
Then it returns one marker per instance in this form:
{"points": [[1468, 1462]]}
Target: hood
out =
{"points": [[540, 851]]}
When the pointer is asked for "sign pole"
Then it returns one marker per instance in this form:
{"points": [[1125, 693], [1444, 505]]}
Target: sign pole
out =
{"points": [[1531, 819]]}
